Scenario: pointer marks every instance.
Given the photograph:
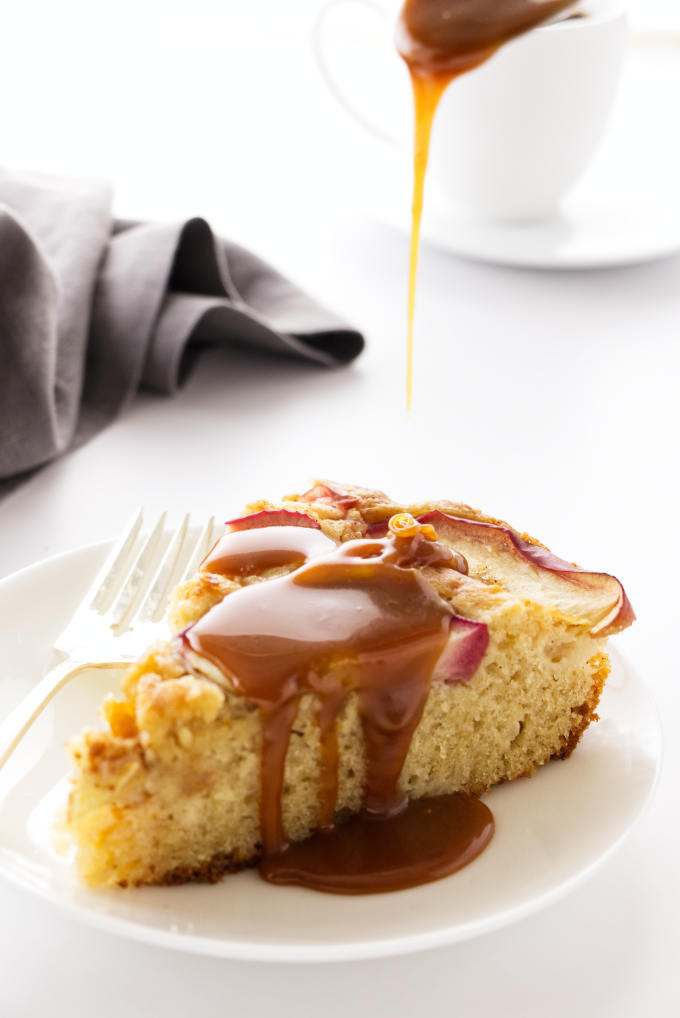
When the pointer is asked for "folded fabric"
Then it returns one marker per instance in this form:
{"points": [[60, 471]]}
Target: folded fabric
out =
{"points": [[92, 308]]}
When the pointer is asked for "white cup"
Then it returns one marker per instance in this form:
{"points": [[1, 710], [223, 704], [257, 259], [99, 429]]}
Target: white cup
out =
{"points": [[511, 137]]}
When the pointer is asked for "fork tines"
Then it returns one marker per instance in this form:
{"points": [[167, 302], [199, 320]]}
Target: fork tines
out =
{"points": [[144, 566]]}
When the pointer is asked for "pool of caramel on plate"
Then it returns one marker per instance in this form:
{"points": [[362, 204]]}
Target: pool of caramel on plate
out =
{"points": [[440, 40], [352, 618]]}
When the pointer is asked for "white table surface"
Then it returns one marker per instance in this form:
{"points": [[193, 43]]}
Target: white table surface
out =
{"points": [[549, 399]]}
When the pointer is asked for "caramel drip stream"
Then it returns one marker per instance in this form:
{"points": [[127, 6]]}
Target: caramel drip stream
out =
{"points": [[427, 92], [439, 40], [357, 618]]}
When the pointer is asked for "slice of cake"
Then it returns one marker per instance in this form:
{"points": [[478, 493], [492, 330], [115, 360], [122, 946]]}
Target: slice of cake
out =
{"points": [[336, 655]]}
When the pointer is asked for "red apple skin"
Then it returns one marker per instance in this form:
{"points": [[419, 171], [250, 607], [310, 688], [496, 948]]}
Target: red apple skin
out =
{"points": [[377, 530], [272, 518], [323, 493], [621, 614], [462, 656]]}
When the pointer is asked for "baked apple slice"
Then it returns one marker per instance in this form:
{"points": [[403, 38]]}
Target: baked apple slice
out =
{"points": [[532, 571]]}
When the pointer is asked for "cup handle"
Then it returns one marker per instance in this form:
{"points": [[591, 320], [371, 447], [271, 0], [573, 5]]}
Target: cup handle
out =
{"points": [[319, 40]]}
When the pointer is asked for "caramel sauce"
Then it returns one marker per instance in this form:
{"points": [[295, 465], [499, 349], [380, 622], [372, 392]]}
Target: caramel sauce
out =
{"points": [[356, 619], [430, 839], [245, 552], [440, 40]]}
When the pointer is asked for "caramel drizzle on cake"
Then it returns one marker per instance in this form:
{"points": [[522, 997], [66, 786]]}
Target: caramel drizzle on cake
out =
{"points": [[359, 618]]}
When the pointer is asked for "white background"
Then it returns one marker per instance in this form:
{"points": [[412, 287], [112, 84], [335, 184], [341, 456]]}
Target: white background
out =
{"points": [[548, 399]]}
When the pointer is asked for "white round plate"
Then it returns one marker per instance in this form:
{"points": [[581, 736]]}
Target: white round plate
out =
{"points": [[552, 830]]}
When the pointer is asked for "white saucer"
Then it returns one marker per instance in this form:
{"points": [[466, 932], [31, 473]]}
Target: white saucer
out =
{"points": [[586, 234], [594, 228], [552, 831]]}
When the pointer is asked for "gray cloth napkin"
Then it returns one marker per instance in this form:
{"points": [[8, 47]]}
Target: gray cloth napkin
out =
{"points": [[92, 308]]}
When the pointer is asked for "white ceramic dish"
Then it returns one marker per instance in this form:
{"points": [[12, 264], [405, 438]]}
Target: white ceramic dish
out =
{"points": [[552, 831]]}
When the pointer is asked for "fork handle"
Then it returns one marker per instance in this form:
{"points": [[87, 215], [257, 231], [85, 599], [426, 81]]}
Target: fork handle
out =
{"points": [[20, 719]]}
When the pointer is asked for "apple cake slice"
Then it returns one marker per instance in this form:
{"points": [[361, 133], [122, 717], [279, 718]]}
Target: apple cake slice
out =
{"points": [[340, 655]]}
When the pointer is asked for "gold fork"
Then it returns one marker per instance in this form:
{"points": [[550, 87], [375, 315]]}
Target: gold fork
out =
{"points": [[121, 613]]}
